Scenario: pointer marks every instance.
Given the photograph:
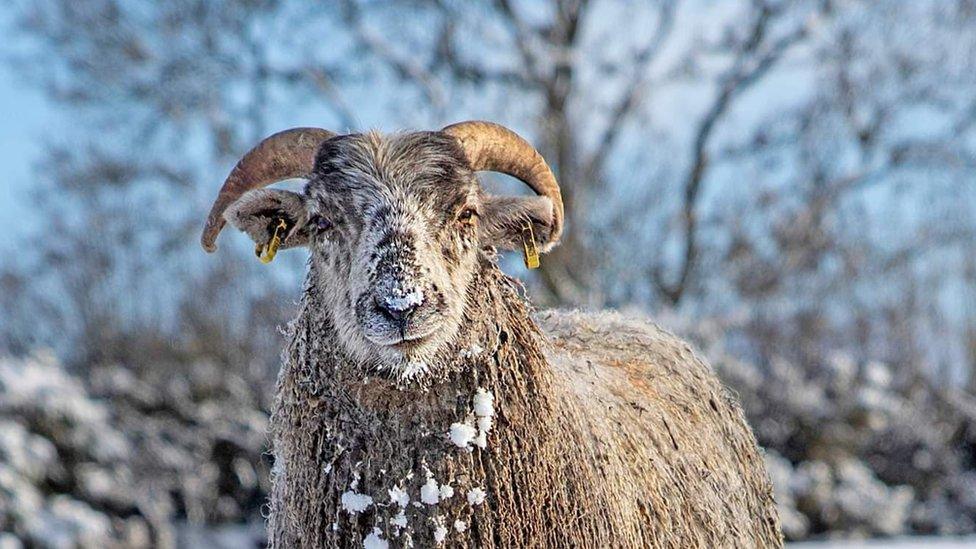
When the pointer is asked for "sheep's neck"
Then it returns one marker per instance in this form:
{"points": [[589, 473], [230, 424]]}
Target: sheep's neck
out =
{"points": [[336, 431], [497, 320], [498, 351]]}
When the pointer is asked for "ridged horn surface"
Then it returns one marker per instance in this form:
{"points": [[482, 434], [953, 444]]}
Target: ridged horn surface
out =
{"points": [[284, 155], [491, 147]]}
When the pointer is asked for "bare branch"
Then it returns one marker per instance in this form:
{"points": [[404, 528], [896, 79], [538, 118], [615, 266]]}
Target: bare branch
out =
{"points": [[447, 56], [746, 71], [404, 66], [523, 36], [325, 84], [634, 92]]}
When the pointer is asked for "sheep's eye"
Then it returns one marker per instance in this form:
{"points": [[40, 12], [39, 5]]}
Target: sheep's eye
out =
{"points": [[320, 223], [467, 215]]}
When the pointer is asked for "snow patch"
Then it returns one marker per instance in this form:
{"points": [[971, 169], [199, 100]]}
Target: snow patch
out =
{"points": [[476, 496], [399, 496], [413, 368], [429, 492], [460, 525], [440, 534], [400, 520], [403, 301], [465, 434], [375, 541], [484, 403], [462, 434], [481, 441], [472, 351], [355, 503], [484, 408]]}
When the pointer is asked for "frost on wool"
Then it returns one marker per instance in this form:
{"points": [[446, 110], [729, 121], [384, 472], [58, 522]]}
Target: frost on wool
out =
{"points": [[375, 541], [484, 408], [355, 503], [429, 493], [476, 496], [465, 434], [399, 496], [402, 301], [472, 351], [460, 525], [440, 534], [440, 531], [400, 520], [413, 368], [484, 403], [462, 434], [481, 441]]}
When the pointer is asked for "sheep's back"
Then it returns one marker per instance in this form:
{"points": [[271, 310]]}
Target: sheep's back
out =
{"points": [[669, 451]]}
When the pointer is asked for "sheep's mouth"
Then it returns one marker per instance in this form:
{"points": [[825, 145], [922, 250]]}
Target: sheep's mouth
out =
{"points": [[413, 337], [401, 338], [410, 343], [400, 334]]}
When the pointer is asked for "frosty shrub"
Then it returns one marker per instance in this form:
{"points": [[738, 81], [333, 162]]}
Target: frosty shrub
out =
{"points": [[854, 449], [123, 459]]}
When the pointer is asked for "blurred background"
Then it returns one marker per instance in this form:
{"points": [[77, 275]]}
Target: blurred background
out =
{"points": [[790, 184]]}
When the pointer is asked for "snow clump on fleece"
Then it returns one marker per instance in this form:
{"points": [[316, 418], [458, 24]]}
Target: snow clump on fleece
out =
{"points": [[429, 492], [402, 301], [400, 520], [463, 435], [440, 534], [375, 541], [476, 496], [399, 496], [432, 494], [355, 503]]}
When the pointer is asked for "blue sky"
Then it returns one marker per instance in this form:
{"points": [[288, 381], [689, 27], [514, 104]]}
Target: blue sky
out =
{"points": [[24, 117]]}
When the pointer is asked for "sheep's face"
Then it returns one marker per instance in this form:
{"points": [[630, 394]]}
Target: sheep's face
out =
{"points": [[394, 225]]}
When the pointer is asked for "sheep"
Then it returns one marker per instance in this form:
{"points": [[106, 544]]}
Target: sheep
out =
{"points": [[422, 403]]}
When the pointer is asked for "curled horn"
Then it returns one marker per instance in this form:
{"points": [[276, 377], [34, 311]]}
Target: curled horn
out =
{"points": [[490, 147], [284, 155]]}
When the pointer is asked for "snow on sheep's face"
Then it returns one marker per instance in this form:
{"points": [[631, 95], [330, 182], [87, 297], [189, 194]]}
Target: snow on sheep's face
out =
{"points": [[394, 239], [394, 225]]}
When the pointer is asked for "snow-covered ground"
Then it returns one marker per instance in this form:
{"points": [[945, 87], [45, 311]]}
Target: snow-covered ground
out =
{"points": [[894, 543]]}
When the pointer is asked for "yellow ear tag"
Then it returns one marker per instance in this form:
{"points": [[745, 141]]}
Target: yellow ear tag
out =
{"points": [[530, 252], [267, 252]]}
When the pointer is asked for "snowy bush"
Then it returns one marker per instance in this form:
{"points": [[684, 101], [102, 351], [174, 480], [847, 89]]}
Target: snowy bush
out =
{"points": [[853, 449], [123, 460]]}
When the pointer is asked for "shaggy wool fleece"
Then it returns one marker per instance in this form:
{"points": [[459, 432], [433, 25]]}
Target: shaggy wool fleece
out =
{"points": [[595, 431]]}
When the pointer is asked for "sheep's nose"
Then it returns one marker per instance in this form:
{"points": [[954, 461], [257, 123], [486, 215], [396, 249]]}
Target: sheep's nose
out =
{"points": [[398, 308]]}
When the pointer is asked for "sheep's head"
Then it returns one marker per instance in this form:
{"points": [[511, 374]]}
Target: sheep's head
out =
{"points": [[394, 225]]}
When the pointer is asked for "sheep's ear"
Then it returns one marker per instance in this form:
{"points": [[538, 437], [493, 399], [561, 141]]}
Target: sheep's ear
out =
{"points": [[504, 220], [259, 212]]}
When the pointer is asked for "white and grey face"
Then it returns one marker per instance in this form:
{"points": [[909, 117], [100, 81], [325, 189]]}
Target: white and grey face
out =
{"points": [[394, 225], [394, 243]]}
